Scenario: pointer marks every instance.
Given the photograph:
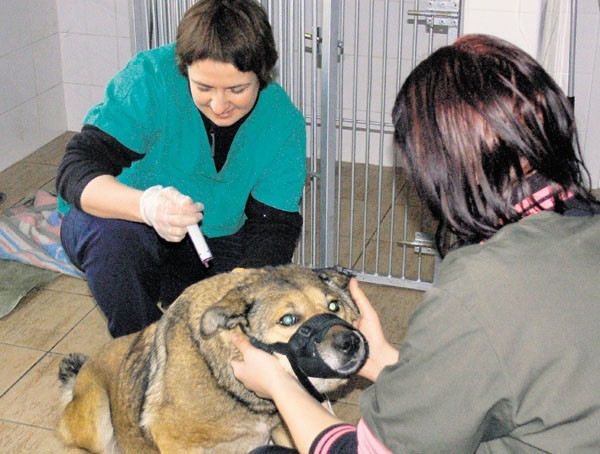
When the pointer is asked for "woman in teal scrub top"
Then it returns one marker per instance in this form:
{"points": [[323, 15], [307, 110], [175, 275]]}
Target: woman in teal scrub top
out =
{"points": [[195, 132]]}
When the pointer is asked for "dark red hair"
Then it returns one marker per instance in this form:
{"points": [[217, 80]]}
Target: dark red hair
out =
{"points": [[471, 121]]}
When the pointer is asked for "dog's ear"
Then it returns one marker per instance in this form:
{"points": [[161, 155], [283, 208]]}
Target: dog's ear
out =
{"points": [[334, 277], [228, 313]]}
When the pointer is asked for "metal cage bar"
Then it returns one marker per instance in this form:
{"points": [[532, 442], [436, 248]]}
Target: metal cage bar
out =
{"points": [[341, 62], [329, 93]]}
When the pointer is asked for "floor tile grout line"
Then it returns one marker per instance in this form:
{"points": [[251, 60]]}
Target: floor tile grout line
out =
{"points": [[46, 287], [71, 330], [22, 376], [9, 344], [47, 352], [19, 423]]}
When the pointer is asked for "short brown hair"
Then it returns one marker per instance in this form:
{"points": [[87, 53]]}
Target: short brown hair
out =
{"points": [[228, 31]]}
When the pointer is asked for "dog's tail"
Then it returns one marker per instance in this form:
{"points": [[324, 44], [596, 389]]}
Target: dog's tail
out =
{"points": [[67, 372], [69, 368]]}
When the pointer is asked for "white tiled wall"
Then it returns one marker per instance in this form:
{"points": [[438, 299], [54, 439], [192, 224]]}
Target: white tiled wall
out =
{"points": [[517, 21], [506, 18], [587, 84], [95, 44], [57, 55], [32, 107]]}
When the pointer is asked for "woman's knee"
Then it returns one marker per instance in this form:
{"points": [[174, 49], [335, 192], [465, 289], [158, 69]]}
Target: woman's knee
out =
{"points": [[93, 241]]}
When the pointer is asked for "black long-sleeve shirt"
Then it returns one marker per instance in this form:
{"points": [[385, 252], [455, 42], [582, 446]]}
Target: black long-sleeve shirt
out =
{"points": [[269, 235]]}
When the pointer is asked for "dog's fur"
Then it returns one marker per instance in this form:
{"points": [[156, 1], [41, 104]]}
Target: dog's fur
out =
{"points": [[171, 388]]}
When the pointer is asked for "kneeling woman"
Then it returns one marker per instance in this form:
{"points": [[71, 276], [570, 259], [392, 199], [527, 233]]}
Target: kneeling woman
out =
{"points": [[192, 131]]}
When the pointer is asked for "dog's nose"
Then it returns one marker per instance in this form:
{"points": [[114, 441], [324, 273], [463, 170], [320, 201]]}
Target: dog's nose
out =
{"points": [[347, 342]]}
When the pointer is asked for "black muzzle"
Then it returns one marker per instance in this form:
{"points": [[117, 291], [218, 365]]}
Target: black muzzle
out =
{"points": [[345, 353]]}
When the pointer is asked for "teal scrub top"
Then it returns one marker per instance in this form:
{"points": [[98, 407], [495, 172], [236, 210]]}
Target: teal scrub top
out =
{"points": [[149, 109]]}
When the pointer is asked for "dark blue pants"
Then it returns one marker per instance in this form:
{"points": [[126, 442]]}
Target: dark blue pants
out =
{"points": [[129, 268]]}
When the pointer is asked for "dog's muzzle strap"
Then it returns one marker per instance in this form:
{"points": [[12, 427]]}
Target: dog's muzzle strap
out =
{"points": [[282, 348], [302, 348]]}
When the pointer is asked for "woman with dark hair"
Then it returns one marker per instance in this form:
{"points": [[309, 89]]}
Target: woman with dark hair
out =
{"points": [[193, 131], [502, 355], [486, 129]]}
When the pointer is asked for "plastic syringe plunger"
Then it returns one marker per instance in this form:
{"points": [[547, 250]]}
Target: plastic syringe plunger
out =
{"points": [[200, 244]]}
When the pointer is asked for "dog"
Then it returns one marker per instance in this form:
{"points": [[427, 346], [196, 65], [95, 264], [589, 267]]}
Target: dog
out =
{"points": [[171, 388]]}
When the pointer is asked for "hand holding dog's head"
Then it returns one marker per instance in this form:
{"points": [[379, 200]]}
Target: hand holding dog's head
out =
{"points": [[176, 376], [269, 304]]}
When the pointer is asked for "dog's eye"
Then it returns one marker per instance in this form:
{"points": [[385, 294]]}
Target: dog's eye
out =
{"points": [[288, 320], [334, 306]]}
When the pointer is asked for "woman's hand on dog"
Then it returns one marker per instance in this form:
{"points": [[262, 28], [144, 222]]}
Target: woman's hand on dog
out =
{"points": [[259, 371], [381, 352], [262, 373]]}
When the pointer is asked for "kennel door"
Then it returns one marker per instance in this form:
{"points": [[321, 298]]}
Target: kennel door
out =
{"points": [[343, 69], [342, 62]]}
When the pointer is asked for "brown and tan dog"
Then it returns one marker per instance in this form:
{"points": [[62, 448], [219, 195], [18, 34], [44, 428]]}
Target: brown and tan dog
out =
{"points": [[170, 387]]}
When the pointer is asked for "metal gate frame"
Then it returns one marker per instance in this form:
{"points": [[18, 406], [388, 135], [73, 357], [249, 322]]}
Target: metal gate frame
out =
{"points": [[310, 41], [439, 17]]}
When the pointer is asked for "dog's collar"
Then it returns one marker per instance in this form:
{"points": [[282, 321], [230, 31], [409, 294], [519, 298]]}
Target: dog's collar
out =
{"points": [[301, 350]]}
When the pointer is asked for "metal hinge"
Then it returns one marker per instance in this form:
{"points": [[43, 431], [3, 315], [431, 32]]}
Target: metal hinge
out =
{"points": [[422, 244], [309, 36], [442, 13]]}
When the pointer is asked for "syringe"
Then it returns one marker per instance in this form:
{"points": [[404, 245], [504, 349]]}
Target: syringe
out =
{"points": [[200, 244]]}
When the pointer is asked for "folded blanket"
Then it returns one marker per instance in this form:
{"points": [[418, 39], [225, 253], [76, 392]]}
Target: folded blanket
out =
{"points": [[30, 233], [17, 279]]}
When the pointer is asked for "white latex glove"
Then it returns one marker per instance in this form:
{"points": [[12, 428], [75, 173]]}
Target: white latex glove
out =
{"points": [[169, 212]]}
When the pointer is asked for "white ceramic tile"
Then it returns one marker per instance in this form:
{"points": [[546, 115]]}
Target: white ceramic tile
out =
{"points": [[527, 6], [123, 18], [587, 6], [100, 18], [591, 156], [596, 175], [583, 92], [17, 78], [587, 33], [596, 79], [71, 14], [77, 104], [19, 131], [52, 113], [358, 143], [43, 17], [74, 58], [103, 59], [587, 86], [15, 31], [520, 29], [79, 99], [534, 6], [124, 51], [592, 137], [88, 59], [47, 63]]}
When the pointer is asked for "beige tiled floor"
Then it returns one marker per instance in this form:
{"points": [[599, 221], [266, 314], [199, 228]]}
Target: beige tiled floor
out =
{"points": [[62, 317]]}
